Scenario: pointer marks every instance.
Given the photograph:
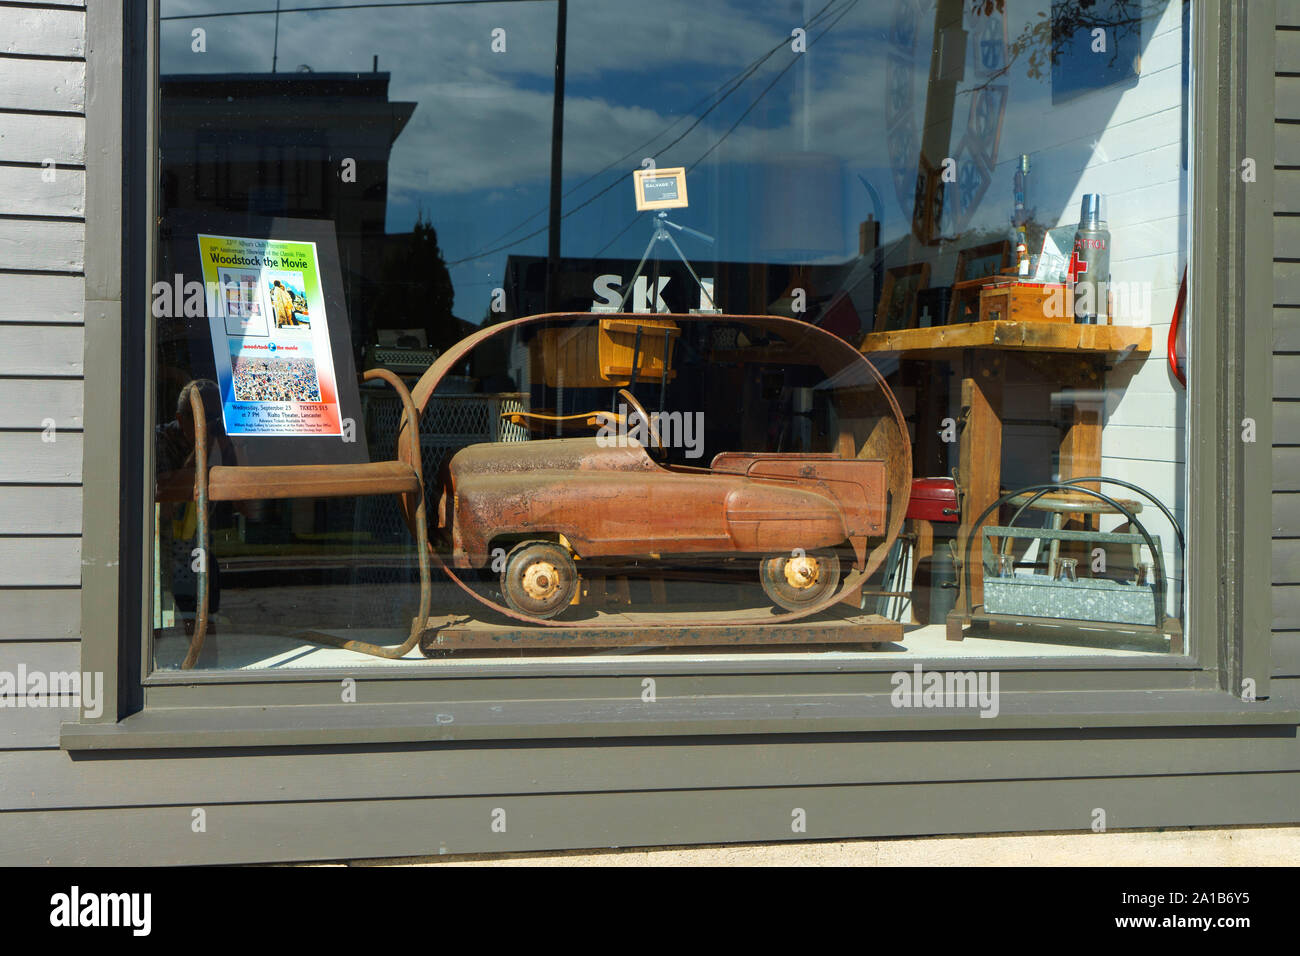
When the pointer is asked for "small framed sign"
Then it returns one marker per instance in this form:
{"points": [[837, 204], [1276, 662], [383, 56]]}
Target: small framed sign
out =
{"points": [[660, 188], [899, 296]]}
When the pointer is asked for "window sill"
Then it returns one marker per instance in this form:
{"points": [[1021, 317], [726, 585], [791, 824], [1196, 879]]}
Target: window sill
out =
{"points": [[341, 724]]}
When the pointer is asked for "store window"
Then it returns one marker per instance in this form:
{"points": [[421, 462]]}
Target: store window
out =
{"points": [[830, 329]]}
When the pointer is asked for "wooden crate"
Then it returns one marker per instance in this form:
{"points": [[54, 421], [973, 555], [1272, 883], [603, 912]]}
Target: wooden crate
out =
{"points": [[1027, 302], [601, 354]]}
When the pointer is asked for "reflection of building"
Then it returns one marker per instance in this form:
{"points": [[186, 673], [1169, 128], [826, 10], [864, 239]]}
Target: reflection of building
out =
{"points": [[301, 145], [276, 144]]}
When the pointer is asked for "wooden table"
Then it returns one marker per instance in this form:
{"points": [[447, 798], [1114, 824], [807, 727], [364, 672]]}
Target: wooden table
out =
{"points": [[1068, 355]]}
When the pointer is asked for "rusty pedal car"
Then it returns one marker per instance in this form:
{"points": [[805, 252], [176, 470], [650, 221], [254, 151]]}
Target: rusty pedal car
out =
{"points": [[551, 503]]}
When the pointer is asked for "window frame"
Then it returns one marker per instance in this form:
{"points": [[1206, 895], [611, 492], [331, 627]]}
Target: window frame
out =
{"points": [[1228, 514]]}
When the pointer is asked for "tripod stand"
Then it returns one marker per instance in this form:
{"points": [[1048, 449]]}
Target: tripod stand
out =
{"points": [[660, 233]]}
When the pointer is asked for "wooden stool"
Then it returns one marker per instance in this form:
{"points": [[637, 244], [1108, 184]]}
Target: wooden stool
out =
{"points": [[1062, 503]]}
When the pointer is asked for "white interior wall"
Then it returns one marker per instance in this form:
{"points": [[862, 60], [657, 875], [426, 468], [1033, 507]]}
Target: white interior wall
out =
{"points": [[1126, 144]]}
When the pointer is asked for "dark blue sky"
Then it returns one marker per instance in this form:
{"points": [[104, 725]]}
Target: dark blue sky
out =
{"points": [[785, 186]]}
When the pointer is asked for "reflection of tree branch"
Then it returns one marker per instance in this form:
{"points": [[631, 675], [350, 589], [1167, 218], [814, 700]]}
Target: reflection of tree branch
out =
{"points": [[1045, 38], [985, 85]]}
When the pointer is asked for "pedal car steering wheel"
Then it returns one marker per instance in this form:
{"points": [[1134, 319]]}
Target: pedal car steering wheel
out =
{"points": [[656, 443]]}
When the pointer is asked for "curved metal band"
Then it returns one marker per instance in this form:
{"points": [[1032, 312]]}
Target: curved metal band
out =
{"points": [[833, 353], [1169, 516], [1159, 586], [200, 417]]}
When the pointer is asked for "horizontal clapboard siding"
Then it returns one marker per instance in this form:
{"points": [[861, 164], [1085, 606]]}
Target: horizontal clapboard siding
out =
{"points": [[1286, 144], [323, 803], [25, 31], [43, 95], [1286, 512], [1286, 607], [42, 191], [1286, 422], [42, 245], [1286, 654], [188, 779], [39, 402], [1286, 462], [40, 561], [48, 86], [46, 4], [1286, 91], [1288, 51], [1286, 560], [40, 510], [42, 298], [1286, 346], [1286, 184], [40, 614], [1286, 328], [322, 830], [30, 458], [36, 138], [33, 729], [44, 349], [43, 656]]}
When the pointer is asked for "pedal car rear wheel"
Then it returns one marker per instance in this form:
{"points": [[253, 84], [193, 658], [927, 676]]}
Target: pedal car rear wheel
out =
{"points": [[539, 578], [800, 579]]}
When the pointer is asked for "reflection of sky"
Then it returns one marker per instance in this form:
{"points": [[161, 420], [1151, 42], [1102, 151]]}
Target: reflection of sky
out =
{"points": [[475, 156]]}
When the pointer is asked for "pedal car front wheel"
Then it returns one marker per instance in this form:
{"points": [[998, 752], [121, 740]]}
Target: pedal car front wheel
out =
{"points": [[540, 578], [799, 579]]}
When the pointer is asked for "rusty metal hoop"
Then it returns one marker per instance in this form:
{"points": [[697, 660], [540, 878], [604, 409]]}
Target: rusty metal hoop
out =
{"points": [[888, 440]]}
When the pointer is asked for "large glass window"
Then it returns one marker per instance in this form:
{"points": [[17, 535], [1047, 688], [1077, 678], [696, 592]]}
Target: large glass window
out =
{"points": [[886, 367]]}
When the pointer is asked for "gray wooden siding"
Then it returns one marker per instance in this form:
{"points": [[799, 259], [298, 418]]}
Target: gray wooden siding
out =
{"points": [[287, 805], [322, 802], [42, 237], [1286, 349], [42, 342]]}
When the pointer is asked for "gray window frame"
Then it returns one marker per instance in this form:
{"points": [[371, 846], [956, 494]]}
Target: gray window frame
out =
{"points": [[1228, 514]]}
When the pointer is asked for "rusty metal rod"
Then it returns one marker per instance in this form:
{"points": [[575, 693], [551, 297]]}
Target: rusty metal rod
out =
{"points": [[412, 439], [201, 498]]}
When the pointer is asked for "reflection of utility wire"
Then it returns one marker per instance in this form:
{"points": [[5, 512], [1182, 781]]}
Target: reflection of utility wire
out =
{"points": [[621, 233], [743, 75], [615, 183], [768, 88], [341, 6], [737, 79], [750, 109], [636, 149]]}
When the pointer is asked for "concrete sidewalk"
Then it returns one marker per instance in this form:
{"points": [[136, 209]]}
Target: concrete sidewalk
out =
{"points": [[1233, 846]]}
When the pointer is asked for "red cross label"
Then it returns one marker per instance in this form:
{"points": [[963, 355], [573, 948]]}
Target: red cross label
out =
{"points": [[1077, 266]]}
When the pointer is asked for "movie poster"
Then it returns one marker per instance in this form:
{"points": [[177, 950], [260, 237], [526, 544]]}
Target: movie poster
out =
{"points": [[270, 337]]}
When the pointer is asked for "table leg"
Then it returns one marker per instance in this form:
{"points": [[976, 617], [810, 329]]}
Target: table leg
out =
{"points": [[1081, 446], [1080, 450], [924, 551], [928, 456], [979, 476]]}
